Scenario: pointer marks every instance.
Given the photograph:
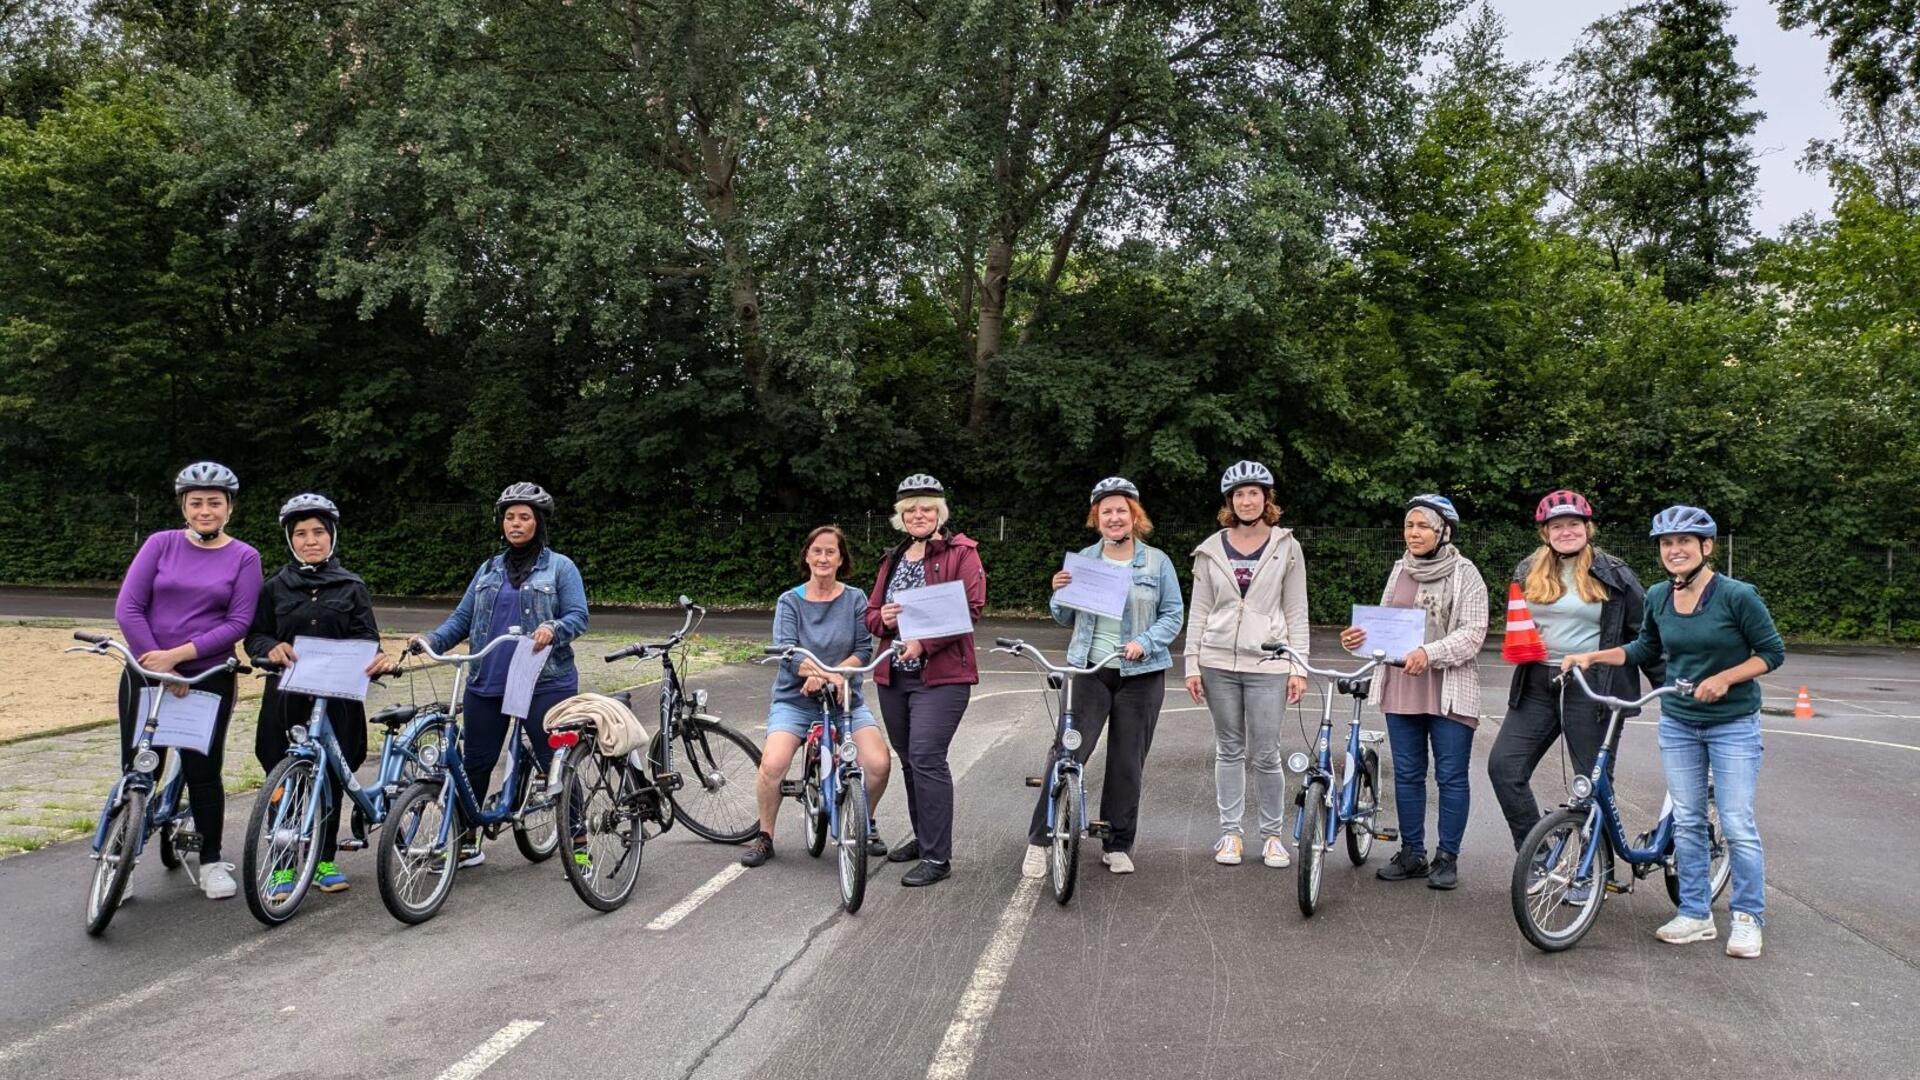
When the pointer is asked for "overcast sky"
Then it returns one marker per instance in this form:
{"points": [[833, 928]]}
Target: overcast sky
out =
{"points": [[1790, 83]]}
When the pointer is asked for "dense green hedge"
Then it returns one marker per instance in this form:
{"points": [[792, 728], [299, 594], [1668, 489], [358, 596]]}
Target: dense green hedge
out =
{"points": [[1815, 588]]}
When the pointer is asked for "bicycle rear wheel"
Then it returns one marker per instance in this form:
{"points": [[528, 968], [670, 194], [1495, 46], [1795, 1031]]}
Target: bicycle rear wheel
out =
{"points": [[600, 839], [1553, 902], [1313, 845], [1366, 801], [536, 827], [1063, 848], [717, 766], [853, 842], [115, 863], [813, 803], [419, 851], [282, 848]]}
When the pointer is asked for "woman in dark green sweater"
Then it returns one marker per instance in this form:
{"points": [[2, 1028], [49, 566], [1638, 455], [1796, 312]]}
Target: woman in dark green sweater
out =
{"points": [[1715, 633]]}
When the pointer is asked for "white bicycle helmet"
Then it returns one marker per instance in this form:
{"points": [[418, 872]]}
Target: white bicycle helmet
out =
{"points": [[1245, 472], [1113, 485], [919, 484], [526, 494], [206, 476]]}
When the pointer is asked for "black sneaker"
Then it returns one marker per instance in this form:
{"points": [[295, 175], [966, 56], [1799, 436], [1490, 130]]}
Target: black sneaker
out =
{"points": [[1443, 874], [876, 847], [1407, 864], [759, 850], [926, 873], [907, 851]]}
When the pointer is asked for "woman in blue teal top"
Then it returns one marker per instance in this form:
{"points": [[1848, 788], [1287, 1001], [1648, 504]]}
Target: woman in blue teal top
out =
{"points": [[1717, 634], [1128, 691], [530, 586]]}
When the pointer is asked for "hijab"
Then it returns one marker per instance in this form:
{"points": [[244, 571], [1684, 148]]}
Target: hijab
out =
{"points": [[521, 560]]}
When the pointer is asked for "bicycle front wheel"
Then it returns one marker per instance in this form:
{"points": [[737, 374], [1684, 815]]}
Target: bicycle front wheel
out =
{"points": [[813, 804], [1313, 845], [282, 849], [717, 767], [853, 842], [1554, 903], [600, 839], [115, 861], [420, 851], [1063, 848]]}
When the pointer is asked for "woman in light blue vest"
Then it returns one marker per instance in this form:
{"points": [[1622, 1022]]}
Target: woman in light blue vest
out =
{"points": [[1130, 688]]}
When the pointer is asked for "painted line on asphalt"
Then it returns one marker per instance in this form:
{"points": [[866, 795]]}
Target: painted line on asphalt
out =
{"points": [[982, 995], [671, 917], [495, 1048], [1807, 735], [185, 976]]}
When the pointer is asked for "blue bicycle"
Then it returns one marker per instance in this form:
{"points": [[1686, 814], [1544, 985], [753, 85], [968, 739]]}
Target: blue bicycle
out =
{"points": [[296, 802], [133, 812], [1564, 868], [1066, 789], [420, 843], [832, 788], [1321, 813]]}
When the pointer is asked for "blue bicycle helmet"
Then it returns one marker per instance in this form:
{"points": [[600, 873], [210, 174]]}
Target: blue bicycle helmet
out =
{"points": [[1683, 521], [1439, 504]]}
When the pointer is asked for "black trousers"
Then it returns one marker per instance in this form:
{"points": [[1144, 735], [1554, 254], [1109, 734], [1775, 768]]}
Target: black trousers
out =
{"points": [[348, 719], [1132, 704], [1527, 733], [205, 794], [921, 721]]}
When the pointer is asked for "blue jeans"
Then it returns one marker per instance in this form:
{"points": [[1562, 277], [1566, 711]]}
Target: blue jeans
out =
{"points": [[1732, 749], [1452, 742]]}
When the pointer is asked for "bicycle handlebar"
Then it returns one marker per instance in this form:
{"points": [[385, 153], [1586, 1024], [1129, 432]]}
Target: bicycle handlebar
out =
{"points": [[1579, 676], [695, 614], [788, 652], [419, 647], [103, 645], [1281, 650], [1016, 647]]}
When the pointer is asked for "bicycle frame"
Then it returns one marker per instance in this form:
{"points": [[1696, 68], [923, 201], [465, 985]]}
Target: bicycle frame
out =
{"points": [[1345, 807], [316, 742], [1596, 795], [836, 747], [451, 769], [1066, 739]]}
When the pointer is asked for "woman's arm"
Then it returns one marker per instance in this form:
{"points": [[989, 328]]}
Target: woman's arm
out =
{"points": [[136, 597], [1462, 644], [1197, 613], [571, 596], [1168, 612]]}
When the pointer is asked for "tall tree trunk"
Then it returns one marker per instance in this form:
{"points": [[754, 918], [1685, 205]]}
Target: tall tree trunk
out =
{"points": [[1063, 244], [993, 320], [718, 168]]}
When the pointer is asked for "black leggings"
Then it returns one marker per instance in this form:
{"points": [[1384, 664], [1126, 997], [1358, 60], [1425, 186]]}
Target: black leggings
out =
{"points": [[1133, 703], [205, 794], [348, 719], [1528, 732]]}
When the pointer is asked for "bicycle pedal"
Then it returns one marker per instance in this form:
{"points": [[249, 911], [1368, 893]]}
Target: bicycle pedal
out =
{"points": [[1619, 889], [352, 843], [186, 841], [1388, 835], [670, 781], [1036, 781], [789, 788], [1099, 829]]}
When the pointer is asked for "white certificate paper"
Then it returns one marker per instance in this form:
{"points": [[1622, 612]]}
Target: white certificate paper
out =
{"points": [[185, 722], [1391, 630], [1098, 587], [517, 699], [933, 611], [330, 667]]}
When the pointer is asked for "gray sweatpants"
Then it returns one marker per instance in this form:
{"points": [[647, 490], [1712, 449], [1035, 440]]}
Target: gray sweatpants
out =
{"points": [[1247, 708]]}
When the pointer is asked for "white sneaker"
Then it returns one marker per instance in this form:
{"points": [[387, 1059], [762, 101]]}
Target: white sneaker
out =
{"points": [[1035, 863], [1743, 937], [1681, 930], [1274, 853], [216, 880], [1227, 851], [1118, 862]]}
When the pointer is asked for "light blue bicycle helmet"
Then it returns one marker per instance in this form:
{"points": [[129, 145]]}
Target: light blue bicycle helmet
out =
{"points": [[1683, 521]]}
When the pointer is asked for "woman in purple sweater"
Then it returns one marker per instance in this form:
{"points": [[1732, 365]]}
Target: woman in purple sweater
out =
{"points": [[186, 601]]}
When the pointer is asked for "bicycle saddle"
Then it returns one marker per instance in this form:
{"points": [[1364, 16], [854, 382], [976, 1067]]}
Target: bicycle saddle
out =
{"points": [[396, 715]]}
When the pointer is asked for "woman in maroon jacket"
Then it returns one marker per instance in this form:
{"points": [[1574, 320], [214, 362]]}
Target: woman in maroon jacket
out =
{"points": [[924, 691]]}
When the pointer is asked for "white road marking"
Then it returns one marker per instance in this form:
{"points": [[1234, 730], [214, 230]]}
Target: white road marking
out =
{"points": [[1807, 735], [982, 994], [192, 973], [672, 916], [492, 1050]]}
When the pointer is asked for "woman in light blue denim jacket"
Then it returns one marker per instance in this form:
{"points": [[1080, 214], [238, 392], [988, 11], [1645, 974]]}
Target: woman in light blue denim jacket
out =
{"points": [[532, 587], [1134, 653]]}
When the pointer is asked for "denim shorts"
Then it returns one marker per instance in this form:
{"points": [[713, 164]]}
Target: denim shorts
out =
{"points": [[795, 719]]}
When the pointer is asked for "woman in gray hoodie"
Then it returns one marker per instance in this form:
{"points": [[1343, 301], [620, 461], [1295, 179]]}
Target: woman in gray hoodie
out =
{"points": [[1249, 587]]}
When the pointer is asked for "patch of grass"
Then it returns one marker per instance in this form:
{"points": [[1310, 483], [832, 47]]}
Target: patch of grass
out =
{"points": [[79, 825]]}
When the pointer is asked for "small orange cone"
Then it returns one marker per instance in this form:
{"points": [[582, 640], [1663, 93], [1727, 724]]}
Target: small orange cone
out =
{"points": [[1522, 644], [1803, 706]]}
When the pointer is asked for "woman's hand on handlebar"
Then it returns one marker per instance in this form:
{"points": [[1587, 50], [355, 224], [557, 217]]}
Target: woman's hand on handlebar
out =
{"points": [[282, 654], [165, 660], [1712, 688], [381, 664], [1134, 651], [1414, 662], [1581, 660], [911, 650]]}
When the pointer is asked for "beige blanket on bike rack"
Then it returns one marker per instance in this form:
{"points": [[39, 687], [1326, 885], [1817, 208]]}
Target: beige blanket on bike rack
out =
{"points": [[616, 731]]}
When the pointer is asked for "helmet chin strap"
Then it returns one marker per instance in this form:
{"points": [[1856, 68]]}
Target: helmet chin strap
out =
{"points": [[205, 537], [1683, 582]]}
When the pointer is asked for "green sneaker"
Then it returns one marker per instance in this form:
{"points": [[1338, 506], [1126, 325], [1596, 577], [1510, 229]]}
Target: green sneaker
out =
{"points": [[280, 886], [583, 862], [328, 878]]}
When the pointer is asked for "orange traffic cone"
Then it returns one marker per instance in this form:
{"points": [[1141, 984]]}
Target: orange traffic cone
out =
{"points": [[1803, 706], [1522, 644]]}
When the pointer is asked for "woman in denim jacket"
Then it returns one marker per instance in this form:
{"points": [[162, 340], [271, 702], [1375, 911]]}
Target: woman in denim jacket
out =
{"points": [[530, 586], [1131, 690]]}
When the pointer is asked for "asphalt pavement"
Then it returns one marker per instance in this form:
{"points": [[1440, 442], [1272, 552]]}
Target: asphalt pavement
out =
{"points": [[1184, 969]]}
